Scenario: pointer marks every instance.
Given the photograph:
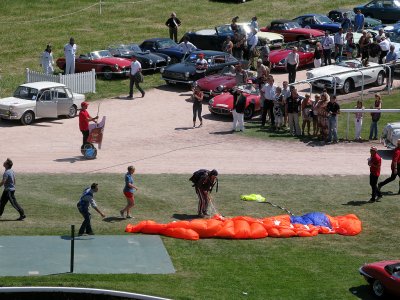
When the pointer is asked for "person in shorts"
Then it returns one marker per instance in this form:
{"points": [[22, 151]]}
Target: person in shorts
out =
{"points": [[129, 189]]}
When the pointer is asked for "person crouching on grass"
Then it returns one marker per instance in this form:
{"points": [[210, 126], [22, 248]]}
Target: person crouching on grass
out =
{"points": [[374, 163], [129, 189], [83, 207]]}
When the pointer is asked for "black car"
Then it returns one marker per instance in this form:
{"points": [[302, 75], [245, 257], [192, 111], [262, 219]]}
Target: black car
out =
{"points": [[148, 60], [165, 46], [336, 15], [185, 72], [385, 10]]}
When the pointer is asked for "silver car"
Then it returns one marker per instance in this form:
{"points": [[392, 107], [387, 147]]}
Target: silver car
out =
{"points": [[40, 100]]}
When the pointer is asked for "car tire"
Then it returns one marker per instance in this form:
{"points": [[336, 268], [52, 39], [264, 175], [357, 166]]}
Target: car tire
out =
{"points": [[378, 289], [249, 112], [107, 73], [27, 118], [380, 80], [347, 86], [72, 112]]}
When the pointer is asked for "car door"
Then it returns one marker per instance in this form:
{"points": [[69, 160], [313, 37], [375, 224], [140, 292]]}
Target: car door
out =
{"points": [[46, 106], [64, 100], [84, 63]]}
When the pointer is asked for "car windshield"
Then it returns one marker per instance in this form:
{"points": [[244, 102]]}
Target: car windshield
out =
{"points": [[100, 54], [292, 25], [134, 47], [165, 44], [323, 19], [228, 71], [26, 93], [350, 64], [224, 29], [193, 57]]}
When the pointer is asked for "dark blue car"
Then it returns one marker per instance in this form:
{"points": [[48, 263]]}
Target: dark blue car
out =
{"points": [[385, 10], [316, 21], [165, 46]]}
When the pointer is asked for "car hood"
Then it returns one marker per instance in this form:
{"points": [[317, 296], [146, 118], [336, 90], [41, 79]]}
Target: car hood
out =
{"points": [[308, 31], [181, 67], [123, 62], [14, 101], [225, 100], [319, 72], [372, 21], [269, 36], [277, 55], [213, 81]]}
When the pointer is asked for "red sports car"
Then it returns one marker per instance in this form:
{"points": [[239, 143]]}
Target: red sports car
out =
{"points": [[102, 62], [383, 276], [215, 84], [277, 58], [223, 103], [292, 31]]}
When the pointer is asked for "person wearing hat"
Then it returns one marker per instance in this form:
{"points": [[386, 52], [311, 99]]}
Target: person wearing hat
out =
{"points": [[173, 23], [69, 54], [203, 183], [239, 105], [86, 200], [47, 61], [84, 119], [136, 77], [374, 163], [201, 66], [395, 166]]}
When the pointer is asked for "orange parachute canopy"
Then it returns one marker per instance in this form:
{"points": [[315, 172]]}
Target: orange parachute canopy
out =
{"points": [[243, 227]]}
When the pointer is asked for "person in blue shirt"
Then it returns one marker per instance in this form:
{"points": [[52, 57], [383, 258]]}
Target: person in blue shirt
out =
{"points": [[86, 200], [129, 189], [346, 22], [391, 58], [8, 182], [359, 20]]}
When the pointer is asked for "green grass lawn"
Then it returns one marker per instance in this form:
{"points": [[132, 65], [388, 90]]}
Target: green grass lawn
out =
{"points": [[271, 268]]}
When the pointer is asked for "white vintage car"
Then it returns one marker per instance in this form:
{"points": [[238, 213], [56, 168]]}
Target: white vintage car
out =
{"points": [[350, 77], [390, 135], [40, 100]]}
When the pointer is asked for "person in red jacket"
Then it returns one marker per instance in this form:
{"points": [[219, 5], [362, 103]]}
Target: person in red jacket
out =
{"points": [[374, 163], [395, 166], [84, 119]]}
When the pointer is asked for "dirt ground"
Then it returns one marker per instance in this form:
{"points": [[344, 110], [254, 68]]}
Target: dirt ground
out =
{"points": [[155, 135]]}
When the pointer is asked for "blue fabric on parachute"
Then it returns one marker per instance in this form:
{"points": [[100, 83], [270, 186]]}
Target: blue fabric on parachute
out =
{"points": [[314, 218]]}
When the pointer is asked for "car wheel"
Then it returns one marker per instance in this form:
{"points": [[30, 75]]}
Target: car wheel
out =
{"points": [[72, 112], [347, 86], [107, 73], [27, 118], [380, 79], [249, 112], [378, 288]]}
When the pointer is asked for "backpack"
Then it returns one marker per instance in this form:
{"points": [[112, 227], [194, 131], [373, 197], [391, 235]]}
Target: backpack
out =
{"points": [[197, 176], [198, 180]]}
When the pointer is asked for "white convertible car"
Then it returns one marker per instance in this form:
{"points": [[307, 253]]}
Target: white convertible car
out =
{"points": [[40, 100], [348, 75]]}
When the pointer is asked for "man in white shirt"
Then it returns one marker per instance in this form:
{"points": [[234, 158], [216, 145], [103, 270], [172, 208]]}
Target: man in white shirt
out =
{"points": [[136, 77], [69, 54], [292, 63], [201, 66], [252, 42], [268, 91], [187, 46], [46, 61], [327, 43], [385, 47], [339, 42]]}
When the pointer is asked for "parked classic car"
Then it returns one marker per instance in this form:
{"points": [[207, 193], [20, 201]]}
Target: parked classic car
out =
{"points": [[336, 15], [148, 60], [316, 21], [277, 58], [348, 81], [384, 277], [292, 31], [102, 62], [212, 39], [215, 84], [385, 10], [185, 72], [223, 104], [165, 46], [390, 135], [40, 100]]}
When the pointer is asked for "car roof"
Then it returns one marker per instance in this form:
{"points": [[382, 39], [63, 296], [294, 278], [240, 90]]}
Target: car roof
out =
{"points": [[280, 21], [43, 84]]}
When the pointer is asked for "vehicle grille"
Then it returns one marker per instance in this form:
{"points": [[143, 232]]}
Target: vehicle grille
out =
{"points": [[174, 75], [161, 63], [220, 111]]}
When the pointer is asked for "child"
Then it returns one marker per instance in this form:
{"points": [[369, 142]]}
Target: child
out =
{"points": [[278, 104], [358, 120]]}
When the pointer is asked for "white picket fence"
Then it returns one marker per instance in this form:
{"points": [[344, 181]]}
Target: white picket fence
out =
{"points": [[78, 83]]}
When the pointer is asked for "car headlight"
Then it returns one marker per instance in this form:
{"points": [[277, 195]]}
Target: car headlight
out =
{"points": [[187, 74], [162, 70], [211, 102], [219, 88], [116, 67], [150, 62], [282, 62], [168, 59]]}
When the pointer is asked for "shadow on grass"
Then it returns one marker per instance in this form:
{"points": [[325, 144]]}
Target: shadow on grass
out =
{"points": [[362, 292], [184, 216], [173, 88], [356, 203], [183, 128], [113, 219]]}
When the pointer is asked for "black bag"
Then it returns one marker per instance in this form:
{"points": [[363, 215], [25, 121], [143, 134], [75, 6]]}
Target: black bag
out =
{"points": [[197, 176]]}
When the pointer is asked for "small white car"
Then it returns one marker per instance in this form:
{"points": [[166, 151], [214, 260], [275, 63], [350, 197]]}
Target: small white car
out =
{"points": [[351, 73], [40, 100], [390, 135]]}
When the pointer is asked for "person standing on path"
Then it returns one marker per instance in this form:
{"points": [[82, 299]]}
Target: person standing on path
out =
{"points": [[129, 191], [47, 61], [239, 105], [86, 200], [374, 163], [197, 105], [69, 54], [292, 63], [395, 166], [9, 190], [173, 23], [327, 44], [136, 77]]}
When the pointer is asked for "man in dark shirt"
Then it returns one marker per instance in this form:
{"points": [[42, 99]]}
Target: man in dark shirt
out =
{"points": [[203, 186], [239, 105], [293, 109], [333, 110], [173, 23]]}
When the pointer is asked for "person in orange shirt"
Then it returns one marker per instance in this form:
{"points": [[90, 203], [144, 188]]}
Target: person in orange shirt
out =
{"points": [[374, 163], [395, 166]]}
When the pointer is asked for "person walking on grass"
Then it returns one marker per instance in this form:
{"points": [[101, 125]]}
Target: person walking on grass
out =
{"points": [[9, 182], [173, 23], [197, 105], [136, 77], [86, 200], [374, 163], [395, 166], [128, 191]]}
